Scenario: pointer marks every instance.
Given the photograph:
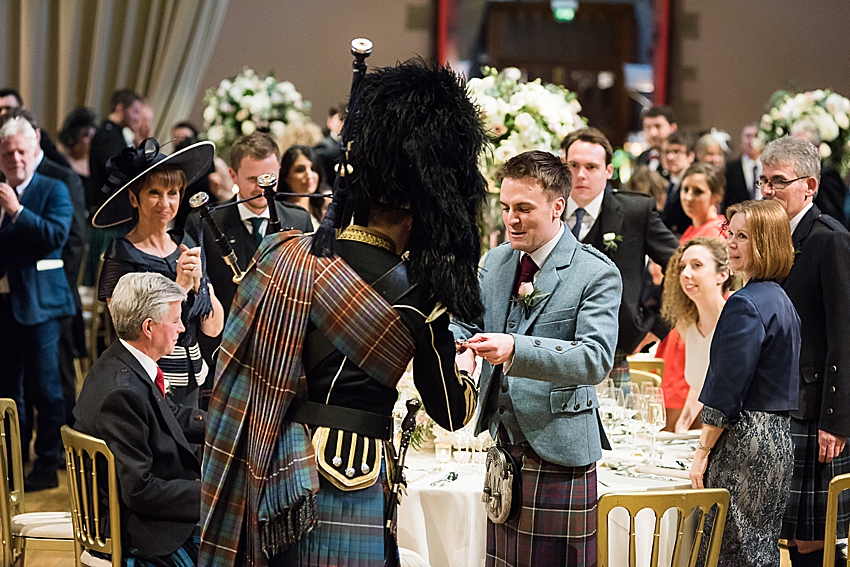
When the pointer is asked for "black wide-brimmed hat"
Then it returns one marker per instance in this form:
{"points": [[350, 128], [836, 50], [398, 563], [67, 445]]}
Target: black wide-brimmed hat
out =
{"points": [[133, 163]]}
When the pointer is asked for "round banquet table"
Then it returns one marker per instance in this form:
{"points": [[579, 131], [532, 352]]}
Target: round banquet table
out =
{"points": [[446, 524]]}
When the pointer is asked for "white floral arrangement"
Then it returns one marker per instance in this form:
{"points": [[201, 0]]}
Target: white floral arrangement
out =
{"points": [[249, 102], [825, 110], [522, 116]]}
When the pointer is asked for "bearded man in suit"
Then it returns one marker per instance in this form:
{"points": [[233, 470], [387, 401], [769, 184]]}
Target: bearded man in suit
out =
{"points": [[245, 224], [123, 402], [544, 351], [624, 226]]}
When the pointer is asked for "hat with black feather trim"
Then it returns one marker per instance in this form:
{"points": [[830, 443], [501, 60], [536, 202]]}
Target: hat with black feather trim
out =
{"points": [[133, 163], [416, 146]]}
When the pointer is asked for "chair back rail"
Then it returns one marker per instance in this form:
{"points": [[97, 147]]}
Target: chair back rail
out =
{"points": [[638, 376], [685, 503], [836, 486], [91, 473]]}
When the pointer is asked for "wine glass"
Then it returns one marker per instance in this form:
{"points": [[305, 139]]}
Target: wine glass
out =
{"points": [[657, 414], [636, 413]]}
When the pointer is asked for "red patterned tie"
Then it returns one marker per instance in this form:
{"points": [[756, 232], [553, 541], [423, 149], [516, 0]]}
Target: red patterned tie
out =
{"points": [[527, 270], [160, 380]]}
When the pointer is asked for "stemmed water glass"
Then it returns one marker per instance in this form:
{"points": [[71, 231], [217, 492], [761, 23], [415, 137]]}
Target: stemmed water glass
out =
{"points": [[656, 415]]}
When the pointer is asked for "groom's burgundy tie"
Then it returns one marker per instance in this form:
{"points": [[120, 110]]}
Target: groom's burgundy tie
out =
{"points": [[527, 270]]}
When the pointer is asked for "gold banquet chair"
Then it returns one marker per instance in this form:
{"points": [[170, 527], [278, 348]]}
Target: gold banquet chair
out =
{"points": [[84, 481], [653, 365], [836, 486], [685, 502], [22, 531], [638, 376]]}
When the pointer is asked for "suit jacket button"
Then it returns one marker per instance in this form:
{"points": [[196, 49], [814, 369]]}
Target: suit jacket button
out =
{"points": [[574, 343], [501, 409], [589, 403], [505, 389], [816, 375], [834, 368], [577, 407], [829, 411], [559, 348], [536, 342], [511, 325], [564, 407], [832, 389]]}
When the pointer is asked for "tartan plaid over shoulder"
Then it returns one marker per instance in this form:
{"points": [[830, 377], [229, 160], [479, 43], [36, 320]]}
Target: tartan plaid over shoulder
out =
{"points": [[259, 478]]}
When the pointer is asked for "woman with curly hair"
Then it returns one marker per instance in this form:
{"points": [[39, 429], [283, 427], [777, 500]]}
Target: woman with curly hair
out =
{"points": [[692, 303]]}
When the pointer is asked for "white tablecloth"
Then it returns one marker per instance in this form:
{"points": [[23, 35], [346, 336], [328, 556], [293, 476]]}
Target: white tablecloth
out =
{"points": [[447, 524]]}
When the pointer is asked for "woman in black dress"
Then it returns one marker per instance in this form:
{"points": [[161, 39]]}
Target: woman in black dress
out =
{"points": [[154, 187]]}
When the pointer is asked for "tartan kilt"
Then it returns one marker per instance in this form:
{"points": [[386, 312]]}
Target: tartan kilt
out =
{"points": [[557, 522], [349, 532], [805, 514]]}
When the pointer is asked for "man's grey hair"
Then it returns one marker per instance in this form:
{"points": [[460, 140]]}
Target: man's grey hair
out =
{"points": [[139, 296], [18, 125], [794, 152]]}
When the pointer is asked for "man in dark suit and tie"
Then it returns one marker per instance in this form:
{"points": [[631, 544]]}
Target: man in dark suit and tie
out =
{"points": [[742, 173], [819, 288], [123, 402], [72, 342], [245, 224], [550, 328], [624, 226], [35, 216], [658, 122]]}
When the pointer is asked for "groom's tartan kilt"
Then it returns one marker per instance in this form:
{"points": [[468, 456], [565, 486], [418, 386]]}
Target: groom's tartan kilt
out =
{"points": [[557, 523]]}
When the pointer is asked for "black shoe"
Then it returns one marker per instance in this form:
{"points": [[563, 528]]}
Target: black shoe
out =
{"points": [[41, 479]]}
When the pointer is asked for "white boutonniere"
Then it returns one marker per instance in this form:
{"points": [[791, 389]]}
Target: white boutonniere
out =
{"points": [[611, 240], [167, 385], [526, 297]]}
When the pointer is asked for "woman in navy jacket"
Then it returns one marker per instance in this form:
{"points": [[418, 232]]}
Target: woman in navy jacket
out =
{"points": [[750, 388]]}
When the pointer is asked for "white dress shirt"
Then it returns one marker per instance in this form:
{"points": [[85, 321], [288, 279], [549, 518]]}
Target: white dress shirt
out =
{"points": [[147, 362], [247, 214], [591, 213]]}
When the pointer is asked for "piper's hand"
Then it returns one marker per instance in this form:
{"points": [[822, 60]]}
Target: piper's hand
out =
{"points": [[698, 469], [829, 446], [495, 348], [466, 360], [8, 199], [189, 268]]}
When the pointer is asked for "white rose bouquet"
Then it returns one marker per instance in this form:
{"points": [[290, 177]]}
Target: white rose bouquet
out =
{"points": [[520, 117], [825, 110], [249, 102]]}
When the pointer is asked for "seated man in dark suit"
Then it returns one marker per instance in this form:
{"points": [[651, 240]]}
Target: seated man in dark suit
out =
{"points": [[245, 224], [123, 402], [624, 226], [35, 216]]}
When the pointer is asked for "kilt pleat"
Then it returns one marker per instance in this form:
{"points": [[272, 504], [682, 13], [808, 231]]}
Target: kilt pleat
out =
{"points": [[805, 513], [349, 531], [557, 522]]}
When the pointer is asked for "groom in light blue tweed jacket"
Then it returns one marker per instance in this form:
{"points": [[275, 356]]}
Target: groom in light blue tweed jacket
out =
{"points": [[544, 351]]}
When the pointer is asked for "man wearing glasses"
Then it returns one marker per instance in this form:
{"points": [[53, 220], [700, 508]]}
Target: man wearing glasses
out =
{"points": [[819, 287]]}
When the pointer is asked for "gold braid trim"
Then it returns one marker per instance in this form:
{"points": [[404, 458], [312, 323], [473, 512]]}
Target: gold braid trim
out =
{"points": [[368, 236]]}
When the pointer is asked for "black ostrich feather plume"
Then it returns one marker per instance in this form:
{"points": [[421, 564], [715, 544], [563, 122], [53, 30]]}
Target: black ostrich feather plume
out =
{"points": [[417, 146]]}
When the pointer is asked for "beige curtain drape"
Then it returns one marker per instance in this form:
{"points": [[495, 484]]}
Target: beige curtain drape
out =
{"points": [[62, 54]]}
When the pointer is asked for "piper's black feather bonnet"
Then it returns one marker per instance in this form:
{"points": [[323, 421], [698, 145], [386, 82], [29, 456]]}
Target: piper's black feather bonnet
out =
{"points": [[417, 146]]}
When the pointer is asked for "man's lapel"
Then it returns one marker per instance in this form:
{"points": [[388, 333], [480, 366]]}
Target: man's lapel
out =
{"points": [[804, 226], [161, 404], [610, 221], [503, 291]]}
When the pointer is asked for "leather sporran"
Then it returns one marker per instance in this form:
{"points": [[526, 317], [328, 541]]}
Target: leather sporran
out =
{"points": [[502, 495]]}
